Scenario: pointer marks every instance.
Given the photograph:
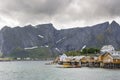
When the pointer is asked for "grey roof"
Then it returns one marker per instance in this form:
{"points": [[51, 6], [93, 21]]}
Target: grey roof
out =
{"points": [[116, 57]]}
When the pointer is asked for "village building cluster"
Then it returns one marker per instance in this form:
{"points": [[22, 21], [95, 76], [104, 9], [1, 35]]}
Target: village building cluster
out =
{"points": [[108, 58]]}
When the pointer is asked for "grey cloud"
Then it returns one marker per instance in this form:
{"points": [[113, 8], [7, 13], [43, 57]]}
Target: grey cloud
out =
{"points": [[32, 10], [48, 7], [60, 11], [96, 9]]}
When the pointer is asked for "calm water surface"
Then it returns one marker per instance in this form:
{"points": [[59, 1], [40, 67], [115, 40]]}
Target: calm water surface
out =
{"points": [[36, 70]]}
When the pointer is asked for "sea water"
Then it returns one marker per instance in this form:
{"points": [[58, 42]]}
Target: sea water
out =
{"points": [[37, 70]]}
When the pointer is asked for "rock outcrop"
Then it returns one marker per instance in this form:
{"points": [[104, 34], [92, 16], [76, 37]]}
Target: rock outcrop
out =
{"points": [[45, 35]]}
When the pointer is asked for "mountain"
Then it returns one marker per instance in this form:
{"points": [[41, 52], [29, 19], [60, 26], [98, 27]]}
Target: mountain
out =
{"points": [[45, 35]]}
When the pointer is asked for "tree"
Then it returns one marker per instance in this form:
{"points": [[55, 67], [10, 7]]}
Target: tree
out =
{"points": [[72, 53], [83, 52], [1, 54], [19, 52], [90, 51]]}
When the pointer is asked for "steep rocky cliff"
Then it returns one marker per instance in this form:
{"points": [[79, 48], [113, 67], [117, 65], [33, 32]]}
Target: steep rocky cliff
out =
{"points": [[45, 35]]}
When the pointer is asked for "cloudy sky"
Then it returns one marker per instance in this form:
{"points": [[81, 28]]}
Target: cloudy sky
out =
{"points": [[62, 13]]}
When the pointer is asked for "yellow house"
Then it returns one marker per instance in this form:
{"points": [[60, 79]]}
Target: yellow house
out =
{"points": [[101, 57], [116, 59], [91, 59], [108, 58], [87, 59], [84, 60]]}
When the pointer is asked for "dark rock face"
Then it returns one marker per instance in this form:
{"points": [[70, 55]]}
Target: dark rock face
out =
{"points": [[46, 35]]}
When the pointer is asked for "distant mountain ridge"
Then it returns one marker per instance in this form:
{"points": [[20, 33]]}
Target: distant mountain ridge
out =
{"points": [[45, 35]]}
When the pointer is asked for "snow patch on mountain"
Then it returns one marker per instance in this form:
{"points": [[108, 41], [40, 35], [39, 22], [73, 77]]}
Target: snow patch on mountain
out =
{"points": [[41, 36]]}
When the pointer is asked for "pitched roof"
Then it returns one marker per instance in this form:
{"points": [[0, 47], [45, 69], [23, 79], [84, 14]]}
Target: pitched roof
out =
{"points": [[116, 57]]}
